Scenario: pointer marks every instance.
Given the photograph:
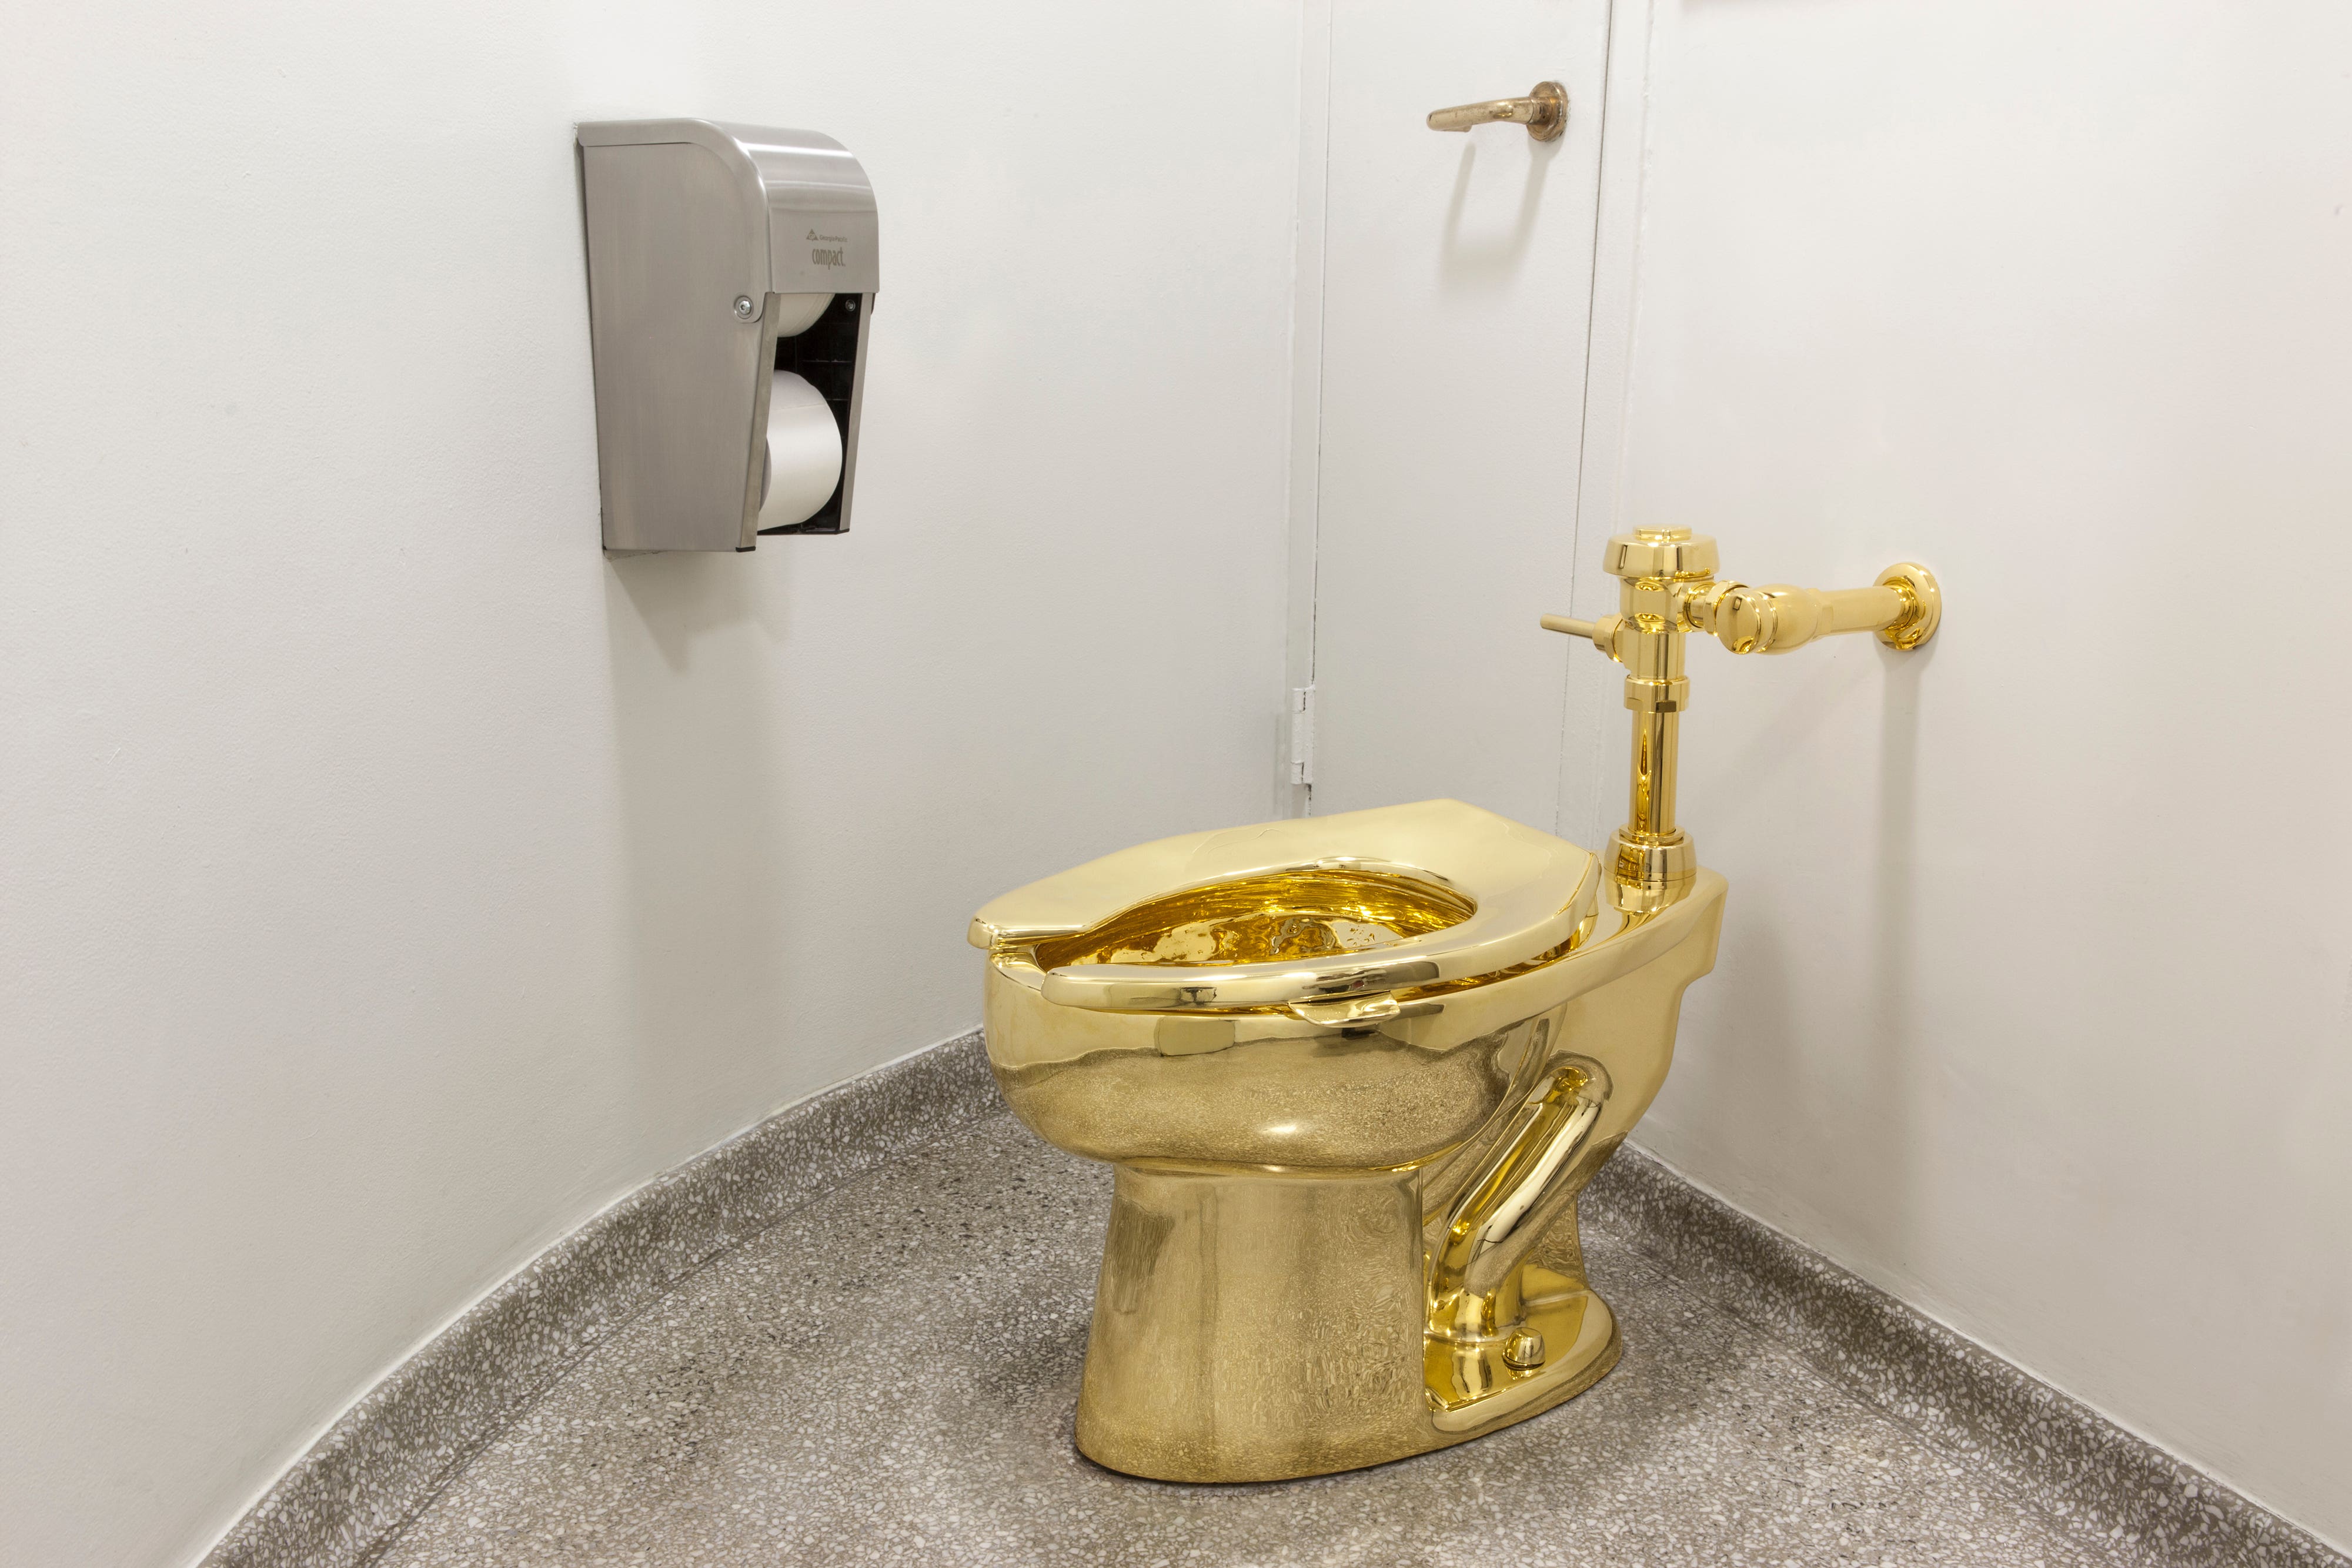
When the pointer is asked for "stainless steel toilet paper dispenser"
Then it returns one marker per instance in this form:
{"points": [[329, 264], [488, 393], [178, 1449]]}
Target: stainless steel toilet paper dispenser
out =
{"points": [[731, 273]]}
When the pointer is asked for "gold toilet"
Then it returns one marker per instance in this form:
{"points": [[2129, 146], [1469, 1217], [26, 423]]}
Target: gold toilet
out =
{"points": [[1353, 1071]]}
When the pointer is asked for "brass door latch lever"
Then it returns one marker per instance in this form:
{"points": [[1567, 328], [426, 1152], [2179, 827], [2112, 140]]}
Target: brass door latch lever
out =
{"points": [[1543, 111]]}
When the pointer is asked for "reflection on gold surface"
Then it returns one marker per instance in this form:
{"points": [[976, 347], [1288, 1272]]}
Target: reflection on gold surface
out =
{"points": [[1294, 914], [1478, 1385]]}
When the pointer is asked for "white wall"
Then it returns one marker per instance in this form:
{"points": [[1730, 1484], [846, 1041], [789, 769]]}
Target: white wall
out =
{"points": [[2035, 998], [391, 881]]}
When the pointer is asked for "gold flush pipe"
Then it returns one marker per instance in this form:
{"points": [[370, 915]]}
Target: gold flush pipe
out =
{"points": [[1667, 587]]}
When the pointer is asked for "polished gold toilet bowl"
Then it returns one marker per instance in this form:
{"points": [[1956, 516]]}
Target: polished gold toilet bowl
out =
{"points": [[1351, 1072]]}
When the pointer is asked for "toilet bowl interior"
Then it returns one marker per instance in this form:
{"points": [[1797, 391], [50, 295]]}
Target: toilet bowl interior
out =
{"points": [[1299, 912], [1302, 911]]}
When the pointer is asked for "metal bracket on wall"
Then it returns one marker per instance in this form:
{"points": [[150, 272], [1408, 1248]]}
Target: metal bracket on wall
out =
{"points": [[1302, 735]]}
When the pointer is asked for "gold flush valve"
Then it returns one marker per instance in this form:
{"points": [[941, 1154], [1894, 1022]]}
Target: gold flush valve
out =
{"points": [[1666, 588]]}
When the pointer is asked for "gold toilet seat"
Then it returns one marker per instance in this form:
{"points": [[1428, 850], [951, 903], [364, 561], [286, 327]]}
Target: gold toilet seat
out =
{"points": [[1395, 902]]}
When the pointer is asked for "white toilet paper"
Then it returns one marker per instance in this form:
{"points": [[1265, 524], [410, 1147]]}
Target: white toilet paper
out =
{"points": [[803, 454], [797, 313]]}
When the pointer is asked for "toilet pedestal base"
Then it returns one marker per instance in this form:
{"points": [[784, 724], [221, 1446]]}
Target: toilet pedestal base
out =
{"points": [[1258, 1327]]}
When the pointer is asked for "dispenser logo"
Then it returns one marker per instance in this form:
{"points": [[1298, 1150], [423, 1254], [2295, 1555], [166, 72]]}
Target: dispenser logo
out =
{"points": [[827, 250]]}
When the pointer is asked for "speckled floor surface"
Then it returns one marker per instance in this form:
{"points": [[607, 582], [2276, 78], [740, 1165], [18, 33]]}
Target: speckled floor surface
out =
{"points": [[891, 1382]]}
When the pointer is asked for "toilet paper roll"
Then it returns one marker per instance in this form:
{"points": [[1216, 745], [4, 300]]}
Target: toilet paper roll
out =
{"points": [[803, 454], [797, 313]]}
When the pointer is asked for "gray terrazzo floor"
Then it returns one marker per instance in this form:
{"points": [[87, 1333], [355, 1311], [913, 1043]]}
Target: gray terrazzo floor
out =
{"points": [[887, 1377]]}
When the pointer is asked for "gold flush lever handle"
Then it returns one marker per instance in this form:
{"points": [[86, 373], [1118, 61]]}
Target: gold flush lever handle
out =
{"points": [[1603, 632], [1543, 111]]}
